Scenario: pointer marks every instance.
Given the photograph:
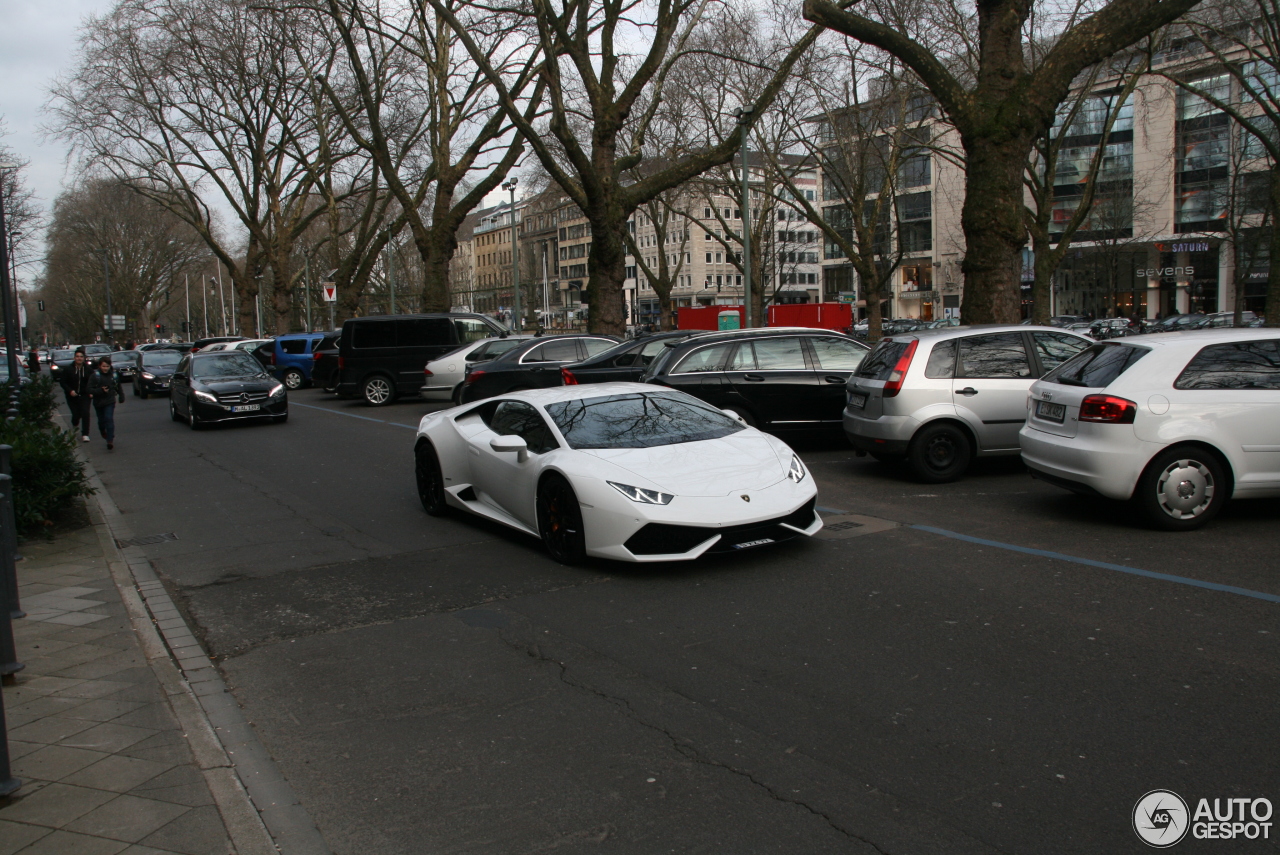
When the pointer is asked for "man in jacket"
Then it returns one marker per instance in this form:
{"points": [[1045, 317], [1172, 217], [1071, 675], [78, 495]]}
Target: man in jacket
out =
{"points": [[75, 383], [103, 391]]}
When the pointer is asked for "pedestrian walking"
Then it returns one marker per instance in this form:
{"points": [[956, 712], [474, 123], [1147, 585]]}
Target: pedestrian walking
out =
{"points": [[33, 361], [104, 391], [75, 383]]}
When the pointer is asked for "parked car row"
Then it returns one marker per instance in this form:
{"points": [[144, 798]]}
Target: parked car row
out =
{"points": [[1175, 423]]}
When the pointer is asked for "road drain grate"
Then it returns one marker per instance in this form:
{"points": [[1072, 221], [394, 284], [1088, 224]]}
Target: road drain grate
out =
{"points": [[148, 540], [841, 526]]}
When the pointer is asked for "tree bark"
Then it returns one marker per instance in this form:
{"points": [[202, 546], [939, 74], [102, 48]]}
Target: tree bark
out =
{"points": [[994, 230], [606, 272], [1272, 317]]}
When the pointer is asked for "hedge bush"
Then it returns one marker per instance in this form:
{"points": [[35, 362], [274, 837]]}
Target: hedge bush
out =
{"points": [[47, 476]]}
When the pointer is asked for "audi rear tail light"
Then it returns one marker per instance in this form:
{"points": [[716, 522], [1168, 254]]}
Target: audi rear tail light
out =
{"points": [[894, 384], [1108, 409], [567, 378]]}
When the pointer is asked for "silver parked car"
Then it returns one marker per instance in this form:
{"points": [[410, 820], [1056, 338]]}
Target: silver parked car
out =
{"points": [[938, 398]]}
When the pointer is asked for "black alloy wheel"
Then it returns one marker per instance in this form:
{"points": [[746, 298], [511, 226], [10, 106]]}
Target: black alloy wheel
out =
{"points": [[426, 469], [939, 453], [192, 418], [1182, 488], [173, 411], [142, 393], [293, 379], [560, 520], [332, 384]]}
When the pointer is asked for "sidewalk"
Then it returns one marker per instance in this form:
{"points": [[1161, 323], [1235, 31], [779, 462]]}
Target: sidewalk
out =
{"points": [[113, 747]]}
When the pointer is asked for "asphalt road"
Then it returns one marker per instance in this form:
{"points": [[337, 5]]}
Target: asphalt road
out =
{"points": [[441, 686]]}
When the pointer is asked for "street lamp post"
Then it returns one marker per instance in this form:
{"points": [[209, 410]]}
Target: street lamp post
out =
{"points": [[6, 286], [186, 285], [743, 115], [306, 288], [510, 186], [222, 301]]}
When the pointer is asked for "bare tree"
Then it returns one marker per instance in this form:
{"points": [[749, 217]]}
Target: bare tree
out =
{"points": [[602, 101], [147, 250], [1000, 82], [428, 117], [1076, 162], [204, 105]]}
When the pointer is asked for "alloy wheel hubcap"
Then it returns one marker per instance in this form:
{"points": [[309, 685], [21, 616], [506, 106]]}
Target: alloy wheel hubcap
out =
{"points": [[293, 381], [377, 391], [1185, 489]]}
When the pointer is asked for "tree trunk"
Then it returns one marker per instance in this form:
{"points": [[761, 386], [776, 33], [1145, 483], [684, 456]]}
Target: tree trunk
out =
{"points": [[440, 243], [666, 315], [1046, 264], [875, 319], [994, 230], [606, 271]]}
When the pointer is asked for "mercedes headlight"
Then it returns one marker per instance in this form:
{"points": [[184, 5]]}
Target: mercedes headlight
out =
{"points": [[641, 495], [147, 375], [277, 389], [796, 472], [205, 396]]}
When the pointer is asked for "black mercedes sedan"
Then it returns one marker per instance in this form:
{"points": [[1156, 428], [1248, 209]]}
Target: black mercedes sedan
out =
{"points": [[222, 386], [624, 363], [155, 367], [534, 364]]}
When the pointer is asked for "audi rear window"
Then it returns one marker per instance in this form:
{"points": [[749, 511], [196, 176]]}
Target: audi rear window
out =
{"points": [[1096, 367], [879, 364]]}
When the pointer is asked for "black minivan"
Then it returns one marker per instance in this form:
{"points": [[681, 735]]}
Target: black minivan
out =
{"points": [[382, 357]]}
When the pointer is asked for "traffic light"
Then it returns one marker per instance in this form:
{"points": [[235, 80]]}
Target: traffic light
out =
{"points": [[186, 327]]}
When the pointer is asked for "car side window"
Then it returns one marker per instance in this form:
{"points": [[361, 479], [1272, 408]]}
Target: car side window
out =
{"points": [[995, 356], [627, 358], [373, 334], [184, 365], [942, 361], [779, 354], [516, 418], [1053, 349], [469, 330], [703, 360], [1241, 365], [835, 354], [294, 345], [743, 359], [597, 346], [422, 332], [563, 350], [652, 350]]}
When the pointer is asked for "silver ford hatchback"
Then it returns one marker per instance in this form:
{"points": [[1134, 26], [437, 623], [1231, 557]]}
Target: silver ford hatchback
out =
{"points": [[938, 398]]}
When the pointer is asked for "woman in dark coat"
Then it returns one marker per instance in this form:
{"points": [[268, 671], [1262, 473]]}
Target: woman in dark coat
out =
{"points": [[104, 391]]}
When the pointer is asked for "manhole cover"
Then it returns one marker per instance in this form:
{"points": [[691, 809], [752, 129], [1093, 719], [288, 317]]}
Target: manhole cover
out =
{"points": [[147, 540]]}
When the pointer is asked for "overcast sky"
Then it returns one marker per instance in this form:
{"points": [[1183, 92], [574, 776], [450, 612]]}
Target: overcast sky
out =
{"points": [[37, 40]]}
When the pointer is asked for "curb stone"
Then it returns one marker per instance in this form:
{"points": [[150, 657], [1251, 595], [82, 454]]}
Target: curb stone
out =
{"points": [[261, 812]]}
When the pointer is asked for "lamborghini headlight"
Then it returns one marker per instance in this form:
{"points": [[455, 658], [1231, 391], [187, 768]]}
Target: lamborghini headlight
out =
{"points": [[641, 495], [796, 472]]}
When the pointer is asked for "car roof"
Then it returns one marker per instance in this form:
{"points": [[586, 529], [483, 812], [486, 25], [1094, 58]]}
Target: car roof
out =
{"points": [[961, 331], [733, 335], [1200, 338]]}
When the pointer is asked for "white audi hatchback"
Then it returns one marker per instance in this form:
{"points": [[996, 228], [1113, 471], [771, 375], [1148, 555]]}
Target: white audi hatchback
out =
{"points": [[1177, 423]]}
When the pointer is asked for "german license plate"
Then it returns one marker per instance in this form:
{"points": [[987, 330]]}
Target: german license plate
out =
{"points": [[857, 401], [752, 543], [1051, 412], [246, 408]]}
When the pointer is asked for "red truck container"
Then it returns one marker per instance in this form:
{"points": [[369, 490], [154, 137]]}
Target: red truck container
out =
{"points": [[822, 316]]}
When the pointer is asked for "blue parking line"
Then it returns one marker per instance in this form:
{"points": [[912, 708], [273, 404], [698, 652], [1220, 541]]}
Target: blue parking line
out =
{"points": [[353, 415], [1120, 568]]}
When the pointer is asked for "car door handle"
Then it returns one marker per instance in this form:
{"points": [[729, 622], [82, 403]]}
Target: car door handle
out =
{"points": [[967, 391], [831, 378], [754, 378]]}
